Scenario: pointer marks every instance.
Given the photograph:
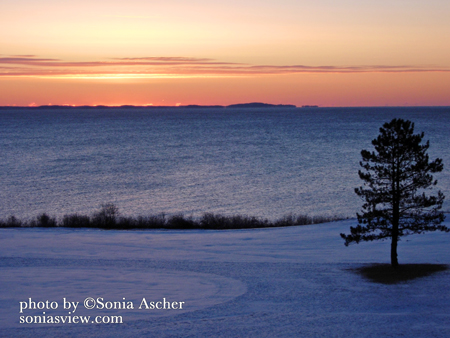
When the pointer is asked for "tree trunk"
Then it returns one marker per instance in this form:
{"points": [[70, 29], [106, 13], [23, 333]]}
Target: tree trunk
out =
{"points": [[395, 214], [395, 221], [394, 261]]}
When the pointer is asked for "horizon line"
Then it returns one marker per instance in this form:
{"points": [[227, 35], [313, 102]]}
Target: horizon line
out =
{"points": [[234, 105]]}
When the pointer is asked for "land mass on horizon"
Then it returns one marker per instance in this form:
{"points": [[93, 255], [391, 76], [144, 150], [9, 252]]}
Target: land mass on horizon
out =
{"points": [[195, 106]]}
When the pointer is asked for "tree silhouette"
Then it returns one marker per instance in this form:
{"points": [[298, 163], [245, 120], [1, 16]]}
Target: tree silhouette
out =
{"points": [[106, 217], [396, 176]]}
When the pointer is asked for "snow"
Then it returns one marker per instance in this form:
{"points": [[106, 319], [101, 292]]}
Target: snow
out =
{"points": [[280, 282]]}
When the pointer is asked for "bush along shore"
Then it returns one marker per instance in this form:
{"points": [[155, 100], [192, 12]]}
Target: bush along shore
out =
{"points": [[108, 217]]}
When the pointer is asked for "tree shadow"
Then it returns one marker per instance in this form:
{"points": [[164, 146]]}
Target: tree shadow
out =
{"points": [[386, 274]]}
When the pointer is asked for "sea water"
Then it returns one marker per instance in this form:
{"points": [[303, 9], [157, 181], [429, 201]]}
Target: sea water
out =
{"points": [[267, 162]]}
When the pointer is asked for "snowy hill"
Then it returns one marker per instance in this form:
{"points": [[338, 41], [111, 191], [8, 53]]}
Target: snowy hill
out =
{"points": [[278, 282]]}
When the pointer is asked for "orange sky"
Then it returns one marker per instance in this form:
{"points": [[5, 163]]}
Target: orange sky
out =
{"points": [[329, 52]]}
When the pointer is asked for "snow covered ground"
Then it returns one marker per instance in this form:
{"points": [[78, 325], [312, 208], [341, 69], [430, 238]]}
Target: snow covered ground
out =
{"points": [[282, 282]]}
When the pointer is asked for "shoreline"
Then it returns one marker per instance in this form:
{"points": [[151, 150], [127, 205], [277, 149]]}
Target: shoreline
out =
{"points": [[108, 218]]}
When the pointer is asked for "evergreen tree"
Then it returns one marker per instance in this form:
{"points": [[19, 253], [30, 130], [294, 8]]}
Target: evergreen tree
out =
{"points": [[396, 177]]}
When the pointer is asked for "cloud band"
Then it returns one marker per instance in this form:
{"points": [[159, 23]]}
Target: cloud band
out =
{"points": [[148, 67]]}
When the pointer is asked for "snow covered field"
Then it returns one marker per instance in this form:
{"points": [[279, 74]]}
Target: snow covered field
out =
{"points": [[282, 282]]}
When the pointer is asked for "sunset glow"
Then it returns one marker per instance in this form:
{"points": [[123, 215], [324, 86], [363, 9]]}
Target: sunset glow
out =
{"points": [[330, 53]]}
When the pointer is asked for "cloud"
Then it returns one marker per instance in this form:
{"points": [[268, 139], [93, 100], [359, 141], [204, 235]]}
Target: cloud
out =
{"points": [[142, 67], [145, 61], [25, 56], [167, 59]]}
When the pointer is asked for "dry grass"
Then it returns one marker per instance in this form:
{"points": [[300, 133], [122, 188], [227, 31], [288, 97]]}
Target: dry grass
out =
{"points": [[386, 274], [108, 217]]}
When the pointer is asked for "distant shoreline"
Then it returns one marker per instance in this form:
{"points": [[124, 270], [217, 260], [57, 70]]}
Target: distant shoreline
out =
{"points": [[254, 105], [192, 106]]}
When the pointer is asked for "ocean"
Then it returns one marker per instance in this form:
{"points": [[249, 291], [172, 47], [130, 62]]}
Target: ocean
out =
{"points": [[265, 162]]}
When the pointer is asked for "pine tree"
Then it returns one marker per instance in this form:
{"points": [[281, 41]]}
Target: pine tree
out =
{"points": [[396, 177]]}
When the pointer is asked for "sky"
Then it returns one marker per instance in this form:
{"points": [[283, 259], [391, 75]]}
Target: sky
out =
{"points": [[177, 52]]}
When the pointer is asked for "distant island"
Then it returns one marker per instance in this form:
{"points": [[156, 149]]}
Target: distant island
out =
{"points": [[260, 105], [195, 106]]}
